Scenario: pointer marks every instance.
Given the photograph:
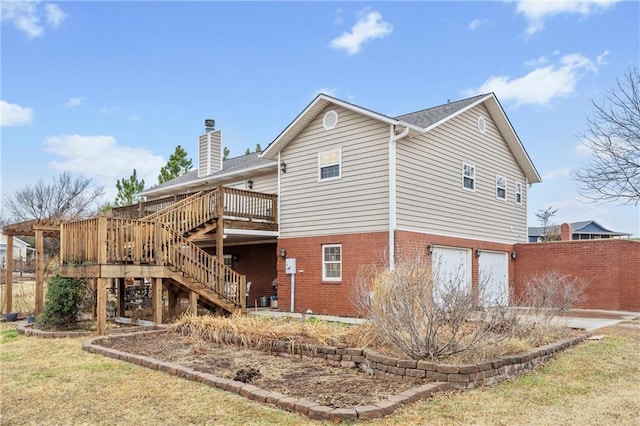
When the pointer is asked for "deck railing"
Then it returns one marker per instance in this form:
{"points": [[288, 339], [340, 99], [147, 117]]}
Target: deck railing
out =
{"points": [[146, 208], [109, 240]]}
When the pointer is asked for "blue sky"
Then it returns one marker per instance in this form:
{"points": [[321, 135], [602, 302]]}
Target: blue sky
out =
{"points": [[99, 88]]}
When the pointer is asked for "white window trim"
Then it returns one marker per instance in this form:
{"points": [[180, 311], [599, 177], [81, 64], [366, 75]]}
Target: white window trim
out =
{"points": [[498, 177], [325, 262], [339, 151], [475, 173], [518, 192]]}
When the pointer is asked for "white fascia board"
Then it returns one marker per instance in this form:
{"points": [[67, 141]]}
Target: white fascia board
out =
{"points": [[206, 179], [231, 231]]}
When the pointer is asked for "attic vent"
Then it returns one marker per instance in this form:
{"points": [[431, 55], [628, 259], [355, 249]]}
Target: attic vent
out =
{"points": [[482, 125], [330, 120]]}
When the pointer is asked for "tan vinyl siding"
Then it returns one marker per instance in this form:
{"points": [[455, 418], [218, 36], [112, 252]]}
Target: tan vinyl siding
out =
{"points": [[266, 183], [209, 154], [358, 201], [430, 197]]}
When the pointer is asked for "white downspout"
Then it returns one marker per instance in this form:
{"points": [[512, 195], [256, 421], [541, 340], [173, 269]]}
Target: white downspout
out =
{"points": [[393, 138]]}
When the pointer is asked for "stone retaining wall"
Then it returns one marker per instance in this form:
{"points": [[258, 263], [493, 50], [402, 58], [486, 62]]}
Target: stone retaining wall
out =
{"points": [[29, 330], [440, 377]]}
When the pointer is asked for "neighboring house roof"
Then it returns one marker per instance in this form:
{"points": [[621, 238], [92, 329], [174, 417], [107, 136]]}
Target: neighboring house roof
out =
{"points": [[232, 167], [583, 227], [417, 122]]}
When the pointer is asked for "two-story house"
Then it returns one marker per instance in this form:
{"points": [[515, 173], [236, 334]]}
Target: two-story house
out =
{"points": [[352, 187]]}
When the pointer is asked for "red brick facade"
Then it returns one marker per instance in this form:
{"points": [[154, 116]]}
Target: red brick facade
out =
{"points": [[612, 268], [311, 293], [258, 263], [358, 250]]}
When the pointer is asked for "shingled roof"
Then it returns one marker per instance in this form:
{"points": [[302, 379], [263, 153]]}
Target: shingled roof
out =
{"points": [[430, 116], [229, 167]]}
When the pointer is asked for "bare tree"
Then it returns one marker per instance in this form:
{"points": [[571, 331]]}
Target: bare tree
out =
{"points": [[612, 173], [65, 197], [544, 216]]}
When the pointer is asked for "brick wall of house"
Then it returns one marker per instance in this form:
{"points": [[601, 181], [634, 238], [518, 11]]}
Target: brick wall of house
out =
{"points": [[258, 263], [311, 293], [357, 250], [612, 268]]}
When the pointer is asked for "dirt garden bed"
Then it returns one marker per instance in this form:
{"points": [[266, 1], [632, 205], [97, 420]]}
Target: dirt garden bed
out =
{"points": [[311, 379]]}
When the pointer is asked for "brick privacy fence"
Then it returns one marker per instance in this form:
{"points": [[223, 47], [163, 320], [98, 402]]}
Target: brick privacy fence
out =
{"points": [[439, 377], [611, 267]]}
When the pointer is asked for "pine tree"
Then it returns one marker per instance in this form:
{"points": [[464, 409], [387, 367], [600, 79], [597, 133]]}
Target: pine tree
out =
{"points": [[225, 153], [177, 165], [258, 148], [127, 189]]}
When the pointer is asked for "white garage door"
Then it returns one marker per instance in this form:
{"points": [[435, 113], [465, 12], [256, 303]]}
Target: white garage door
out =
{"points": [[493, 271], [453, 268]]}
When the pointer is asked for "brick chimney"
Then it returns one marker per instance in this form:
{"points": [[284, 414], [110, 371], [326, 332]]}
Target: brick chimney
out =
{"points": [[565, 232], [209, 151]]}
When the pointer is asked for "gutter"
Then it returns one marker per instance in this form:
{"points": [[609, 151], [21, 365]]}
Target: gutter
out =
{"points": [[393, 138], [206, 180]]}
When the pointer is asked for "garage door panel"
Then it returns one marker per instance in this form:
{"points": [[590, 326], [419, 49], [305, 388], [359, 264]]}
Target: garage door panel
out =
{"points": [[493, 280], [451, 267]]}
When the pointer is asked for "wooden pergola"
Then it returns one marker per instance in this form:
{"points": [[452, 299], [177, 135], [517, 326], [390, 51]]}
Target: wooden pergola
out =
{"points": [[38, 228]]}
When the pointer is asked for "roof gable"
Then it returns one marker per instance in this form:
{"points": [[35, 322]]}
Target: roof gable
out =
{"points": [[417, 122]]}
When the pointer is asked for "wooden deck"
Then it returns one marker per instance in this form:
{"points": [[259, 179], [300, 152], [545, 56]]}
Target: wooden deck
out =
{"points": [[153, 240]]}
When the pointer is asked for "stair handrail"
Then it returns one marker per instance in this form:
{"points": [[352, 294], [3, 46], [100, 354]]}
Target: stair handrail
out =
{"points": [[179, 203], [189, 213], [203, 267]]}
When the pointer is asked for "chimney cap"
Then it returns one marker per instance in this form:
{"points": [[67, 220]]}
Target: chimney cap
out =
{"points": [[209, 125]]}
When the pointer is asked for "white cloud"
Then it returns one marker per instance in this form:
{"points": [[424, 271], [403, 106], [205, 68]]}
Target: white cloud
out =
{"points": [[543, 84], [542, 60], [14, 115], [368, 26], [327, 91], [103, 160], [54, 14], [73, 102], [537, 11], [477, 23], [339, 18], [26, 16], [583, 149], [556, 173], [602, 58]]}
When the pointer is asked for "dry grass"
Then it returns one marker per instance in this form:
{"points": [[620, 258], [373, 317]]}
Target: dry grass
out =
{"points": [[24, 296], [263, 333], [46, 381]]}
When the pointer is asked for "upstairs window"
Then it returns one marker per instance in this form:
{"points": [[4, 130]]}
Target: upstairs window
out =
{"points": [[501, 187], [332, 262], [468, 177], [518, 193], [329, 165]]}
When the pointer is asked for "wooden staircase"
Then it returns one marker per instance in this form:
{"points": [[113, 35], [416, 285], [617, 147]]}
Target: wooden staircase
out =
{"points": [[155, 239]]}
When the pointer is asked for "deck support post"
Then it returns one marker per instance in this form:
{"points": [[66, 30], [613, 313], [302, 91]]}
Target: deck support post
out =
{"points": [[101, 305], [173, 301], [8, 290], [39, 305], [220, 237], [193, 303], [156, 300], [120, 289]]}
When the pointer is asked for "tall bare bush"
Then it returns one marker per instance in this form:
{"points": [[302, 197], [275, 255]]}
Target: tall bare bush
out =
{"points": [[428, 314], [550, 293]]}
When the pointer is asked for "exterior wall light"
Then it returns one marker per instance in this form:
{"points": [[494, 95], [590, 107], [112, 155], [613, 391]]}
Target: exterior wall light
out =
{"points": [[430, 249], [283, 167], [283, 253], [513, 255], [250, 184], [478, 253]]}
